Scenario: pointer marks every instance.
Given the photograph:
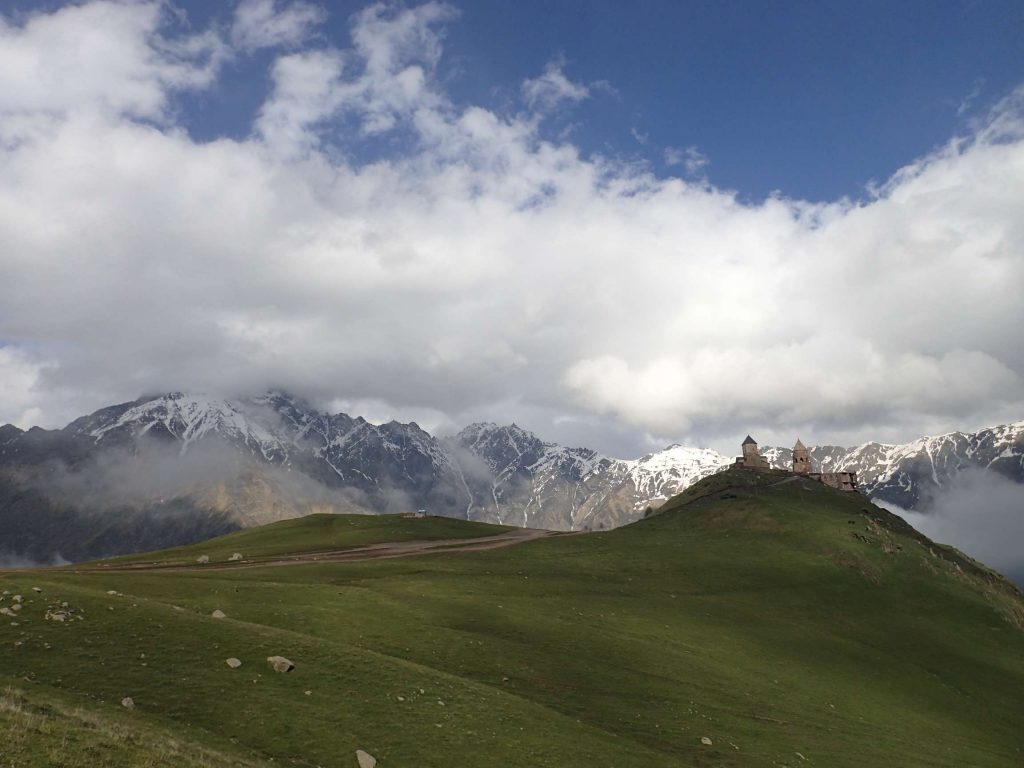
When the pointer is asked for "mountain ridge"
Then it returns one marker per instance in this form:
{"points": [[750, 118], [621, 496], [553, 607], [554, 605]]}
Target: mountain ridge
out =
{"points": [[246, 461]]}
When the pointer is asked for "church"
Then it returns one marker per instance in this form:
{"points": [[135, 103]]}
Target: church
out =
{"points": [[754, 461]]}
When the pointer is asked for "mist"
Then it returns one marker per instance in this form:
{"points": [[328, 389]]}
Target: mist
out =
{"points": [[980, 513], [12, 560], [149, 495], [152, 471]]}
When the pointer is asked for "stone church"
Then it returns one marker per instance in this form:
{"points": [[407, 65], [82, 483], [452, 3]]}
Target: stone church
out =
{"points": [[754, 461]]}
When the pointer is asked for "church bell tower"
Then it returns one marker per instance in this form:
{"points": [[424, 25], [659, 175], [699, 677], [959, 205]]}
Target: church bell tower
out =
{"points": [[801, 459]]}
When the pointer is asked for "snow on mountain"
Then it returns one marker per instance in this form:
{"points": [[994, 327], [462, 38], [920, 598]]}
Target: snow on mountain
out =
{"points": [[507, 474], [188, 419], [657, 476], [290, 458], [544, 484], [910, 474], [526, 481], [549, 485]]}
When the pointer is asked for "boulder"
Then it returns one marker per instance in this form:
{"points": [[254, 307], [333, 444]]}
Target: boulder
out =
{"points": [[236, 556], [5, 611], [219, 614], [280, 664], [36, 589], [16, 607], [203, 559], [365, 759], [16, 599], [234, 663], [127, 702], [705, 741]]}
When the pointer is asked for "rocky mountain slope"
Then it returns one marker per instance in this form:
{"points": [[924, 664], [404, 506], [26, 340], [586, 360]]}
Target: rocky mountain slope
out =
{"points": [[909, 475], [529, 482], [176, 468]]}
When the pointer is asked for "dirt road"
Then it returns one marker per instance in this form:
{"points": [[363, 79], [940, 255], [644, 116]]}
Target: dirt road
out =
{"points": [[380, 551]]}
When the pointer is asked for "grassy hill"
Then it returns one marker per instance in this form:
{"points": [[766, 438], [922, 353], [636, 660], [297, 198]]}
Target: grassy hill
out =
{"points": [[308, 535], [788, 624]]}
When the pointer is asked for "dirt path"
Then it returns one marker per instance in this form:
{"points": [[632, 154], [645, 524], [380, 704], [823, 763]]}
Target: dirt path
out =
{"points": [[380, 551]]}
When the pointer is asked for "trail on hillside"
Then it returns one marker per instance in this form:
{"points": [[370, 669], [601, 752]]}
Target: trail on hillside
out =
{"points": [[383, 550]]}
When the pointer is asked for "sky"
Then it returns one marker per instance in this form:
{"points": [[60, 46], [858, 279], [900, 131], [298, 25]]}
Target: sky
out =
{"points": [[620, 227]]}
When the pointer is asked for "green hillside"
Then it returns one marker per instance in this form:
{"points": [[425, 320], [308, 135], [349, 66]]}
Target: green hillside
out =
{"points": [[786, 623], [309, 535]]}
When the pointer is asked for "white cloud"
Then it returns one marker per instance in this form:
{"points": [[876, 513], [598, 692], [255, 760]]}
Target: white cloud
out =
{"points": [[980, 513], [105, 57], [306, 92], [691, 158], [383, 83], [552, 89], [270, 23], [482, 269], [19, 375], [967, 102]]}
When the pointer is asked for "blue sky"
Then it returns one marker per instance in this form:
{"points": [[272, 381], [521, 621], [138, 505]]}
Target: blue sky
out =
{"points": [[562, 214], [812, 99]]}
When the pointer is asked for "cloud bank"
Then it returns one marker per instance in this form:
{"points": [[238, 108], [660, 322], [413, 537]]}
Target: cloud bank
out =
{"points": [[980, 513], [372, 240]]}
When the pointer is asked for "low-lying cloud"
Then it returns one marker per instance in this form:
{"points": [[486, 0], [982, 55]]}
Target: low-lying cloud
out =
{"points": [[210, 473], [12, 560], [980, 513], [480, 267]]}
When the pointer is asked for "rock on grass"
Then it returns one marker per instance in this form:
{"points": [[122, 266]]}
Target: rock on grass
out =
{"points": [[280, 663]]}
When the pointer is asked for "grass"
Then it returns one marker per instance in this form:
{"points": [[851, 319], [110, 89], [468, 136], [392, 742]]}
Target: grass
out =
{"points": [[315, 533], [743, 612], [38, 735]]}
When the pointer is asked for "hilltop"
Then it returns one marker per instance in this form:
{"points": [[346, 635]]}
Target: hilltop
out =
{"points": [[177, 468], [768, 618]]}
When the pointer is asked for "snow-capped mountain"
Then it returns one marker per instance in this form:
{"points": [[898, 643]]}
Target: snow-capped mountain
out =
{"points": [[180, 467], [172, 468], [390, 465], [185, 419], [909, 475], [538, 484], [658, 476], [534, 483]]}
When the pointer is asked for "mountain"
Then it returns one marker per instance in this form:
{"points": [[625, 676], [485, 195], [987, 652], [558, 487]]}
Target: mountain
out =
{"points": [[175, 468], [748, 623], [911, 474], [545, 485]]}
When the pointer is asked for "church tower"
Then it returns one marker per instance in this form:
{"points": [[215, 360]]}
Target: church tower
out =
{"points": [[751, 458], [801, 459]]}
